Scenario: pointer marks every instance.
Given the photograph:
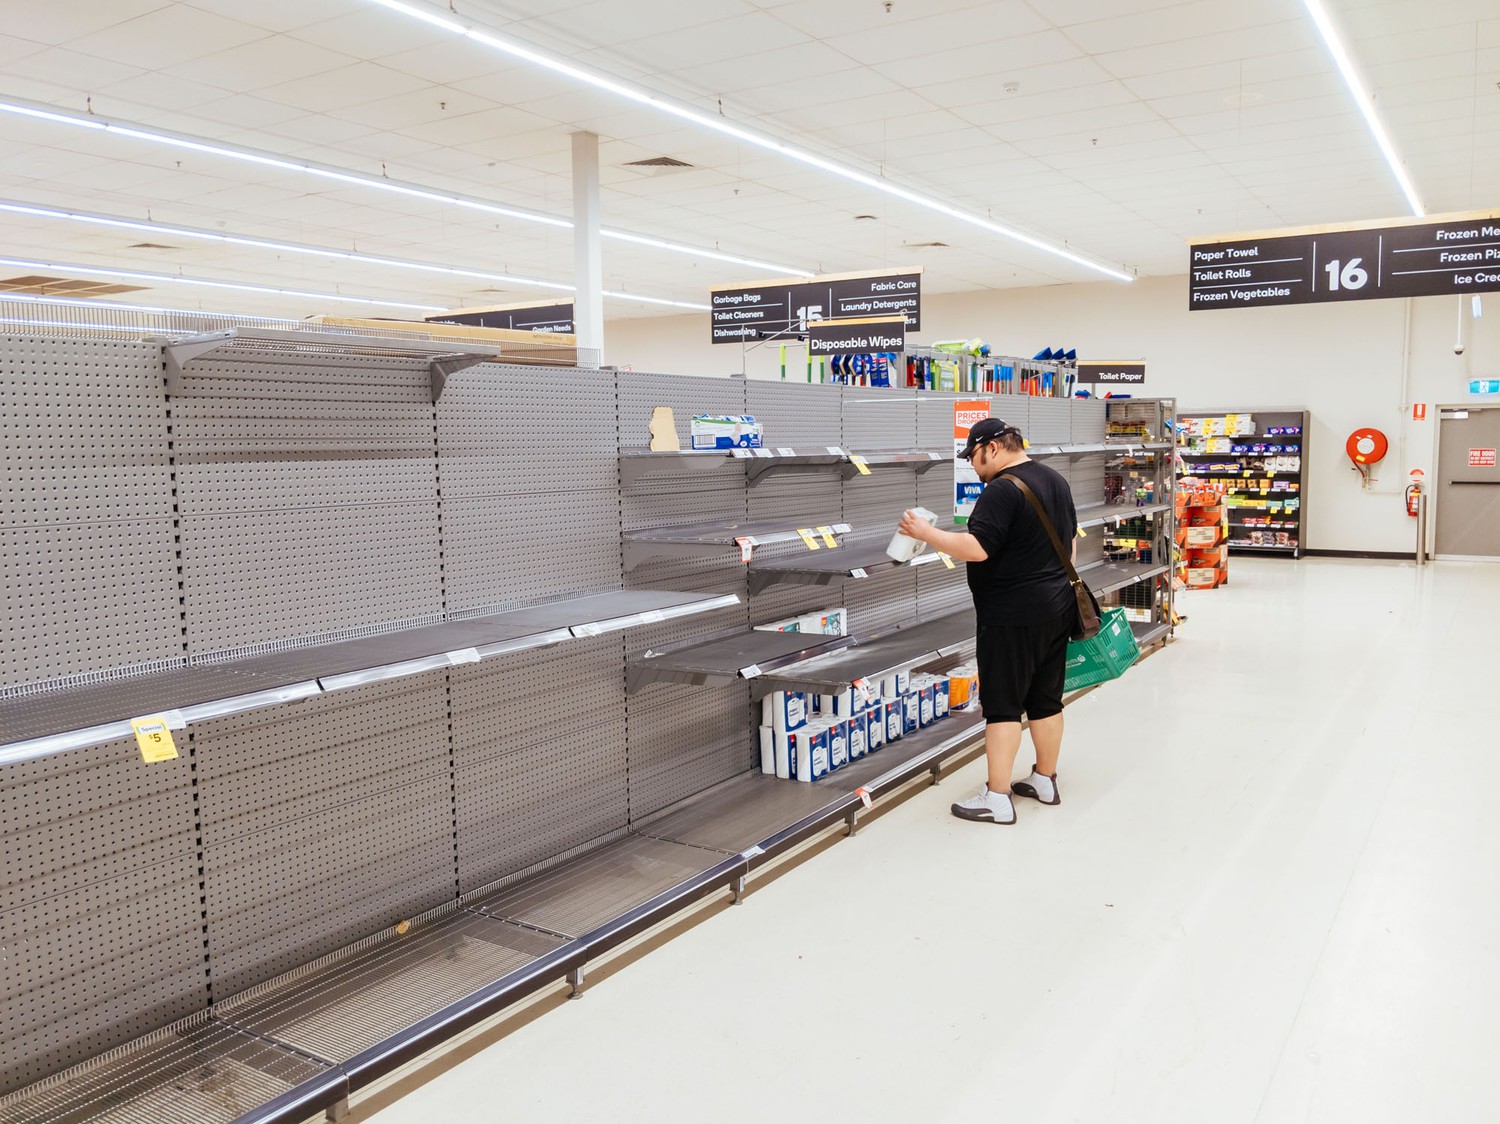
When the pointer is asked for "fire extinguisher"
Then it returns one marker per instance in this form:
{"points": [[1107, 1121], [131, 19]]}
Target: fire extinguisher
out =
{"points": [[1414, 492]]}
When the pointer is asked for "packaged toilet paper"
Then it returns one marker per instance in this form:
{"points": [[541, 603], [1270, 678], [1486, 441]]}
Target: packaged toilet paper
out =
{"points": [[903, 548], [838, 744], [875, 727], [785, 710], [859, 735], [911, 713], [812, 753], [895, 722]]}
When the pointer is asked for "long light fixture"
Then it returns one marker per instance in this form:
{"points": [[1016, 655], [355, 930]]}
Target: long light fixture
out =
{"points": [[1357, 90], [163, 230], [643, 96], [178, 140], [169, 278]]}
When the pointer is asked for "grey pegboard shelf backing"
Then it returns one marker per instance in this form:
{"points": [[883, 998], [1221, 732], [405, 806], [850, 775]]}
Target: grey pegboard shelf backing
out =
{"points": [[86, 533], [101, 918], [320, 495]]}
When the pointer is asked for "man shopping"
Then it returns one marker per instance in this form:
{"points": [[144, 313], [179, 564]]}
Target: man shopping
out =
{"points": [[1024, 609]]}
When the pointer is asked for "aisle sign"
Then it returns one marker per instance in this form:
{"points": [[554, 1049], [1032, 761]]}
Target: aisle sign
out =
{"points": [[966, 482], [1357, 261], [874, 333], [769, 309], [1098, 371], [1481, 458], [544, 318]]}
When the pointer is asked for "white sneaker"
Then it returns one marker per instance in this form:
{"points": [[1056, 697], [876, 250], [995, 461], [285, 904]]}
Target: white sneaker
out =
{"points": [[987, 807], [1040, 787]]}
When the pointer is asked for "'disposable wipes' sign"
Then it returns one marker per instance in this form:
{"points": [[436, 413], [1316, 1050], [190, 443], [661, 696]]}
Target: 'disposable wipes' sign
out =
{"points": [[1357, 261], [1097, 372], [837, 337], [764, 310]]}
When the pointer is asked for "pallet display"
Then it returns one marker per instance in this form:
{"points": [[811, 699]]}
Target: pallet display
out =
{"points": [[1257, 462], [365, 594]]}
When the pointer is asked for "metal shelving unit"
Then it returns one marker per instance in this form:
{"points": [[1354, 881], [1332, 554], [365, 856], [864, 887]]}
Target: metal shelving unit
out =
{"points": [[724, 659], [1252, 466], [1137, 574], [696, 540], [432, 895], [856, 559], [40, 725], [877, 655]]}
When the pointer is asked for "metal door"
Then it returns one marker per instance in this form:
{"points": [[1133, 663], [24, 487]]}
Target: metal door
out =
{"points": [[1468, 483]]}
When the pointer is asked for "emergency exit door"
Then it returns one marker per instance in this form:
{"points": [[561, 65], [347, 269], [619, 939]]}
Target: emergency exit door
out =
{"points": [[1468, 483]]}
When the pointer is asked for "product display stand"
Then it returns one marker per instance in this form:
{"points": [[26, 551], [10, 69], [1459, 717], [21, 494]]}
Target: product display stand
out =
{"points": [[1260, 470]]}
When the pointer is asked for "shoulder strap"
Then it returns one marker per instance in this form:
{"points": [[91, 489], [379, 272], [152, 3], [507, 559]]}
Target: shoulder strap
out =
{"points": [[1063, 554]]}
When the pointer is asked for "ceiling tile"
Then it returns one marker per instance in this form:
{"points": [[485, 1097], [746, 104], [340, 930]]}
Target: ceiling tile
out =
{"points": [[266, 62], [933, 34], [166, 37], [56, 24]]}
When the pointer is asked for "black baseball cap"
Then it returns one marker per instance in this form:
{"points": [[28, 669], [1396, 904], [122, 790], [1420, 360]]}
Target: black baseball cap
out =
{"points": [[984, 431]]}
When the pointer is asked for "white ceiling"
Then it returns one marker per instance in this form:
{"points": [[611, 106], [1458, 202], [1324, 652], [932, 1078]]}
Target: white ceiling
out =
{"points": [[1136, 125]]}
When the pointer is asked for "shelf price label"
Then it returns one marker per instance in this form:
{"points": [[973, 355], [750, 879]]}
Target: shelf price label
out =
{"points": [[860, 463], [154, 738], [859, 572], [746, 547], [807, 538], [946, 560], [828, 539]]}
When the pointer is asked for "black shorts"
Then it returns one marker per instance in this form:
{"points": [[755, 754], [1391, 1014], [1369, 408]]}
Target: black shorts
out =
{"points": [[1022, 668]]}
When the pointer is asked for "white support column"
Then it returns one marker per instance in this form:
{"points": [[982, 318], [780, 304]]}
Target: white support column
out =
{"points": [[588, 268]]}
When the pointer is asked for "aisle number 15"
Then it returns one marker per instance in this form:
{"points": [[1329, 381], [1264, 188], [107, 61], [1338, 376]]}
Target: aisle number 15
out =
{"points": [[1345, 275]]}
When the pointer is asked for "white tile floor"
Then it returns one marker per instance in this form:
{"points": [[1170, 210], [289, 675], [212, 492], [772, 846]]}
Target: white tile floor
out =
{"points": [[1268, 896]]}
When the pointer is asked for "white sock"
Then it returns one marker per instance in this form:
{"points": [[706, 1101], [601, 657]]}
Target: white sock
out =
{"points": [[1045, 789]]}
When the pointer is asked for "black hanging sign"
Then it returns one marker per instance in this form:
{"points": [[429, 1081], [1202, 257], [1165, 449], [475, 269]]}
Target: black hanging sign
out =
{"points": [[1359, 261], [1098, 371], [770, 309], [548, 318], [859, 336]]}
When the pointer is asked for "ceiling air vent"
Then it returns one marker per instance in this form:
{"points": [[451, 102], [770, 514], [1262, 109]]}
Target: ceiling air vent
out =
{"points": [[39, 286], [926, 245], [658, 162], [151, 246]]}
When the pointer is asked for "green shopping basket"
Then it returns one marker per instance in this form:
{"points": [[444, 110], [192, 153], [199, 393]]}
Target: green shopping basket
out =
{"points": [[1104, 656]]}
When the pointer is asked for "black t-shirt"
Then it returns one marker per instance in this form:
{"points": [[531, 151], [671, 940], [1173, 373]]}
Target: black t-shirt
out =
{"points": [[1022, 581]]}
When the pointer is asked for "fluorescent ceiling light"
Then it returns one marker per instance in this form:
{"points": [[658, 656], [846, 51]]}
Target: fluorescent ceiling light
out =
{"points": [[268, 160], [168, 278], [1351, 77], [642, 96], [161, 229]]}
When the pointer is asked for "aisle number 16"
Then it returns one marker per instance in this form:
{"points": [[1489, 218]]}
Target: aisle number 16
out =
{"points": [[1346, 276]]}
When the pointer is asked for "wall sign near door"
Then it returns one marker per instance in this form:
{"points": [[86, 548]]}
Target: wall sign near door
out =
{"points": [[1097, 372], [1481, 458], [1484, 386], [1357, 261], [764, 310]]}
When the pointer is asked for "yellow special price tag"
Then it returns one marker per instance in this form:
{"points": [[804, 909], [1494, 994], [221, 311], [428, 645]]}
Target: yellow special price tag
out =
{"points": [[828, 539], [859, 463], [807, 538], [154, 739], [946, 560]]}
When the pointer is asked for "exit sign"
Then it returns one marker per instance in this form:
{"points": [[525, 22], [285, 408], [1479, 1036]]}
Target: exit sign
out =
{"points": [[1484, 386]]}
